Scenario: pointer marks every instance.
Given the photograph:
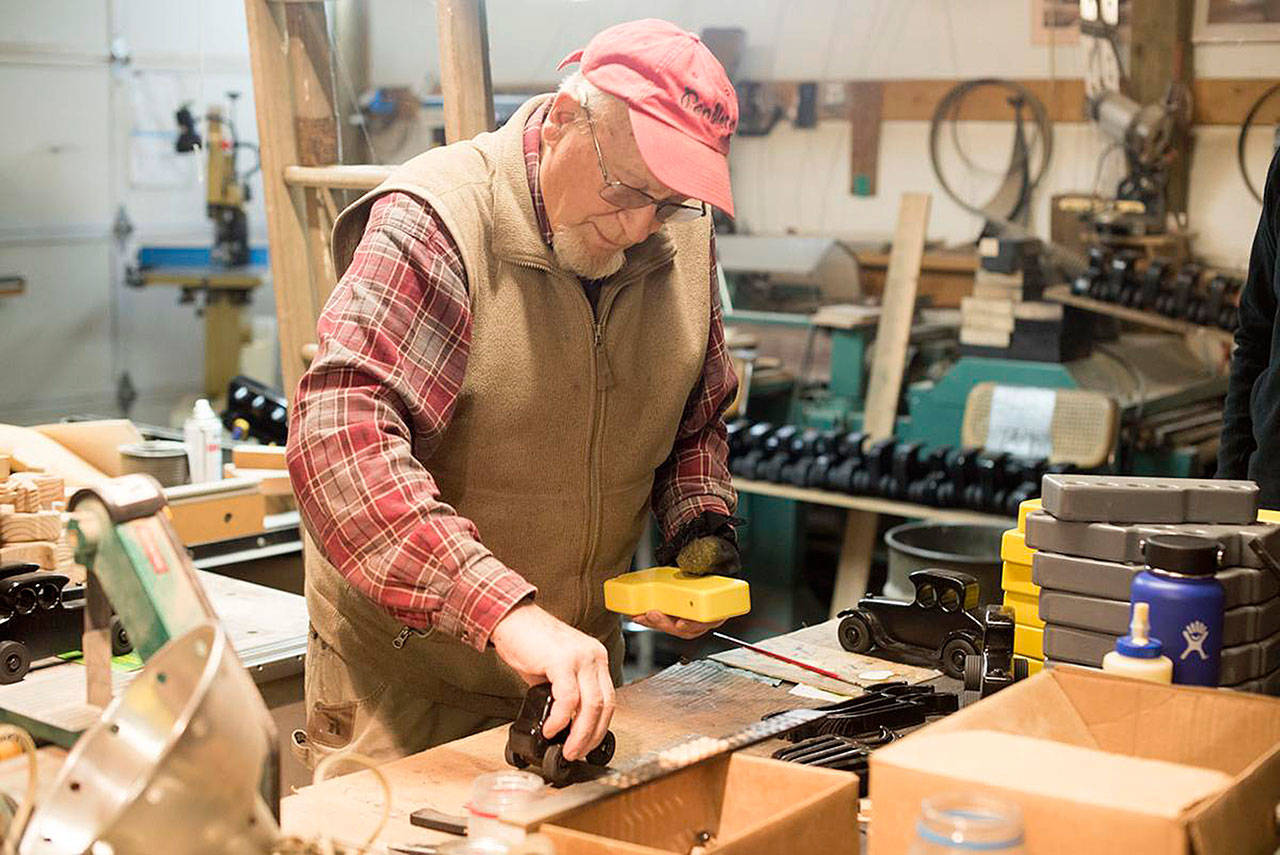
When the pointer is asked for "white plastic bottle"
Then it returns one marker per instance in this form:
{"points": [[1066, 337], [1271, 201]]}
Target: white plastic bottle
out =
{"points": [[202, 434], [1137, 654]]}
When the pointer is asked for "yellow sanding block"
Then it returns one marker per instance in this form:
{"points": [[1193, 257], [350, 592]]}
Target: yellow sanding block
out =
{"points": [[672, 592]]}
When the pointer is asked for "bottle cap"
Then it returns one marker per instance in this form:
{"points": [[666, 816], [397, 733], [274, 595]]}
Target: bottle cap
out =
{"points": [[1138, 643], [1182, 553], [203, 410]]}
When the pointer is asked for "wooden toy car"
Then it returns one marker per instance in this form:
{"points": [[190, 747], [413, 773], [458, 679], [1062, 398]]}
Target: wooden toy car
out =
{"points": [[528, 747], [938, 624]]}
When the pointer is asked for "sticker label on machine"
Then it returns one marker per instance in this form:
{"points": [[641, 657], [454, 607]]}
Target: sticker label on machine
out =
{"points": [[1021, 421]]}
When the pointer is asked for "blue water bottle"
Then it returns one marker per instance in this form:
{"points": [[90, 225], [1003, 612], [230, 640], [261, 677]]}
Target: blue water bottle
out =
{"points": [[1185, 602]]}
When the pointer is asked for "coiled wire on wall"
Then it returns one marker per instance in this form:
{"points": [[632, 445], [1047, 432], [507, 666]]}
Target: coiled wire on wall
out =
{"points": [[1244, 135], [946, 113]]}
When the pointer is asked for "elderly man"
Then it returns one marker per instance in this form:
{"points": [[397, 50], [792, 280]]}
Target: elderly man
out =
{"points": [[524, 354]]}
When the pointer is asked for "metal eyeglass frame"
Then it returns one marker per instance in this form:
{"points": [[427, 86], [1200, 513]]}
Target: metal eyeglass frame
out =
{"points": [[663, 212]]}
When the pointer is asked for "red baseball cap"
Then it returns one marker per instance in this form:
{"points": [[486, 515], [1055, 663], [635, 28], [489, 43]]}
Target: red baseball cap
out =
{"points": [[682, 105]]}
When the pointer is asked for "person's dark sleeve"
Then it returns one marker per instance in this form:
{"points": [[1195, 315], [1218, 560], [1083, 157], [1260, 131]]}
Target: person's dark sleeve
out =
{"points": [[1254, 333]]}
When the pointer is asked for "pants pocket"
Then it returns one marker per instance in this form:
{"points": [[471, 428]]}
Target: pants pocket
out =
{"points": [[341, 699]]}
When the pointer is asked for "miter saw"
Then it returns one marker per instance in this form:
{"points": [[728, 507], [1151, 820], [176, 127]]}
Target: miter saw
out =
{"points": [[185, 760]]}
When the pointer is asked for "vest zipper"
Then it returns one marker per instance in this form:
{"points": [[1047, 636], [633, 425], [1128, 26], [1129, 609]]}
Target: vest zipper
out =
{"points": [[601, 380]]}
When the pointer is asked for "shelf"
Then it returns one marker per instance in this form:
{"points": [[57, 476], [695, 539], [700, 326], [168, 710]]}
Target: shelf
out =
{"points": [[867, 503], [1062, 294]]}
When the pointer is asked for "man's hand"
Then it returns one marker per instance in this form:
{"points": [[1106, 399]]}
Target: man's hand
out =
{"points": [[679, 627], [541, 648]]}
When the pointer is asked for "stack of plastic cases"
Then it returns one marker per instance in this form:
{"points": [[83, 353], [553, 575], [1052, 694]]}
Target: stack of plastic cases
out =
{"points": [[1081, 571], [1021, 593]]}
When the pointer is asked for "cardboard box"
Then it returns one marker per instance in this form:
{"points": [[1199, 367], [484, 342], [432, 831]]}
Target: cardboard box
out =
{"points": [[751, 805], [1098, 764]]}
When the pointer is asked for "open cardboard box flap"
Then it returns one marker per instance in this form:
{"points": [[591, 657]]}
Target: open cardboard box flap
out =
{"points": [[1099, 763], [750, 805]]}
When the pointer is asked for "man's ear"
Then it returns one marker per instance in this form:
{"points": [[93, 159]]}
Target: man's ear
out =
{"points": [[564, 113]]}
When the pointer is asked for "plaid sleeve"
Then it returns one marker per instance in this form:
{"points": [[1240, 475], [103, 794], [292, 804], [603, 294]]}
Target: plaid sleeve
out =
{"points": [[394, 339], [695, 477]]}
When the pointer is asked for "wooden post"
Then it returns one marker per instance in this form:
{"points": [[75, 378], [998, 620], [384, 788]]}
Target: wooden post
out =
{"points": [[1160, 50], [897, 306], [464, 68], [293, 90]]}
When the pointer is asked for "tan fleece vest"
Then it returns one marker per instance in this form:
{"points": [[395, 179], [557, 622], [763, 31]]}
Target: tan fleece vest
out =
{"points": [[563, 416]]}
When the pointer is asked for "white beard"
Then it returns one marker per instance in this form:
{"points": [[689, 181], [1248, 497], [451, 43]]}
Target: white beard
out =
{"points": [[576, 256]]}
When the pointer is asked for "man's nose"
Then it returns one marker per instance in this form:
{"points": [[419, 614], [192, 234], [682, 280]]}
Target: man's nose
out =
{"points": [[638, 223]]}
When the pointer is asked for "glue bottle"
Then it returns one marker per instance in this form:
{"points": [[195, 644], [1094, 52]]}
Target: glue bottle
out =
{"points": [[1137, 654], [202, 434]]}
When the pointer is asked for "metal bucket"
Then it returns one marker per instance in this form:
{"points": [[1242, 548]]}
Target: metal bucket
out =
{"points": [[972, 548], [164, 460]]}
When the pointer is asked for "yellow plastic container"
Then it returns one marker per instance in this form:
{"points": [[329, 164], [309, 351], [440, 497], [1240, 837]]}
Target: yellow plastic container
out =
{"points": [[1026, 607], [1028, 641], [1013, 548], [1025, 508], [1268, 516], [1017, 577], [672, 592]]}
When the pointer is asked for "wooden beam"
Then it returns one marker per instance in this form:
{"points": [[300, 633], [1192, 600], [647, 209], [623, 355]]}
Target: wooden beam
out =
{"points": [[898, 305], [1160, 54], [337, 177], [293, 88], [278, 148], [1218, 101], [464, 68], [1226, 101]]}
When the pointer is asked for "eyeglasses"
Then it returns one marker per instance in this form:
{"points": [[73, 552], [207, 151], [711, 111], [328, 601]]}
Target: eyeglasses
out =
{"points": [[621, 195]]}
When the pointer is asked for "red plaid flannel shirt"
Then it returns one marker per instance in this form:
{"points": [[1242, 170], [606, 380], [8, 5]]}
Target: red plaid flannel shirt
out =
{"points": [[394, 340]]}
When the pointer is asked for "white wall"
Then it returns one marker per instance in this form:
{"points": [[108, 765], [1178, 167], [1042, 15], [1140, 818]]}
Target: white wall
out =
{"points": [[65, 169], [798, 179]]}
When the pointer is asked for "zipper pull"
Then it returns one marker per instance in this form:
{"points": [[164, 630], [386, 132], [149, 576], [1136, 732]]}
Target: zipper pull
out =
{"points": [[602, 359], [399, 640]]}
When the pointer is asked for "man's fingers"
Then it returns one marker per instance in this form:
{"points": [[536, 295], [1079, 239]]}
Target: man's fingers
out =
{"points": [[679, 627], [584, 723], [606, 712], [564, 689]]}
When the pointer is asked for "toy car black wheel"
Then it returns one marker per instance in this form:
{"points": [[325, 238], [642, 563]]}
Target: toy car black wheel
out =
{"points": [[514, 759], [1020, 669], [954, 653], [15, 661], [973, 673], [854, 633], [120, 644], [603, 753], [555, 768]]}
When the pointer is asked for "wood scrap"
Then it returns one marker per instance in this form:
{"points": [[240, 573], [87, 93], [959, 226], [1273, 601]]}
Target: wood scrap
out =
{"points": [[272, 482], [18, 527], [26, 497], [50, 488], [96, 441], [32, 451], [258, 457], [39, 552]]}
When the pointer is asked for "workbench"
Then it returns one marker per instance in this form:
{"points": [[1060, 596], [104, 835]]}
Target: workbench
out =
{"points": [[702, 697]]}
